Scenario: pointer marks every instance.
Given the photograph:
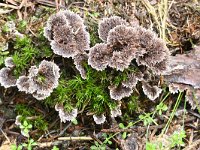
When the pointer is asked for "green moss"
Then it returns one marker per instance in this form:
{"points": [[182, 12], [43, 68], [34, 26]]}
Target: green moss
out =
{"points": [[25, 111]]}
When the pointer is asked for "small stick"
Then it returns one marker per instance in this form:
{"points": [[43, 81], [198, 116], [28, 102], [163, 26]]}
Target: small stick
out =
{"points": [[48, 144], [5, 135], [76, 138], [9, 6]]}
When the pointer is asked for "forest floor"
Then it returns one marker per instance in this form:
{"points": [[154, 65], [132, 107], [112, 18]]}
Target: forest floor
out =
{"points": [[168, 122]]}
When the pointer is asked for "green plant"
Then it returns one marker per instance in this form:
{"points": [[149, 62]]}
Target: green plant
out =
{"points": [[150, 146], [176, 138], [3, 55], [22, 25], [147, 119], [31, 143], [26, 112], [25, 52], [98, 146], [25, 128], [161, 107], [15, 147], [121, 126], [55, 148]]}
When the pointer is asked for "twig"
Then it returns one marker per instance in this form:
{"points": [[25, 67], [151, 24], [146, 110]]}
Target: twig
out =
{"points": [[9, 6], [48, 144], [84, 138], [193, 145], [63, 131], [5, 11], [5, 135], [194, 114]]}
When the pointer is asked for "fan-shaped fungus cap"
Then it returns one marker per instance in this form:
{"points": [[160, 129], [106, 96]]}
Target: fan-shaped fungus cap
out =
{"points": [[116, 111], [25, 84], [41, 81], [155, 53], [107, 24], [67, 43], [99, 119], [79, 61], [54, 22], [152, 92], [64, 115], [123, 41], [120, 92], [9, 62], [67, 34], [99, 56], [6, 78], [192, 95], [47, 77], [133, 79]]}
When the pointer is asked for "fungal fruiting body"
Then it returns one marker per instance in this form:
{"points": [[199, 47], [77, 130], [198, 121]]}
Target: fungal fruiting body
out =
{"points": [[7, 78], [99, 119], [68, 36], [64, 115], [125, 46], [41, 81]]}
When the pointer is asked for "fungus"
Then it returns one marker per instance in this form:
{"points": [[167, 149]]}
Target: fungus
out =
{"points": [[67, 34], [9, 62], [116, 111], [41, 96], [54, 22], [155, 53], [119, 92], [118, 52], [99, 119], [119, 61], [79, 61], [99, 56], [64, 115], [193, 96], [123, 42], [47, 77], [152, 92], [41, 81], [133, 79], [24, 84], [6, 78], [107, 24]]}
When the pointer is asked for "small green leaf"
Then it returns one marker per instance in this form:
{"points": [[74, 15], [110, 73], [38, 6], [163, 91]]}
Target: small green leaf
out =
{"points": [[74, 121], [25, 123], [130, 124], [124, 135], [93, 147], [121, 126], [150, 146], [109, 142]]}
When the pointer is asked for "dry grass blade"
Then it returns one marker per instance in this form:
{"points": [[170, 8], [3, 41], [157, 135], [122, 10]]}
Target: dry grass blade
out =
{"points": [[9, 6], [76, 138], [193, 146]]}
